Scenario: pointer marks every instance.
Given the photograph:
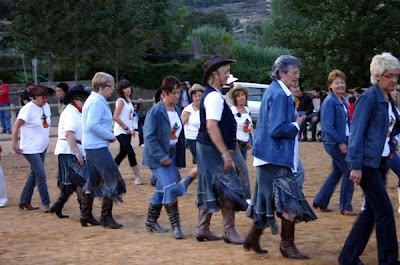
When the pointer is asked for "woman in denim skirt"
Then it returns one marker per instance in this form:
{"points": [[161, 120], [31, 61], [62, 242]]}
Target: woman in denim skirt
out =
{"points": [[219, 186], [374, 125], [164, 153], [104, 179], [275, 151], [335, 123]]}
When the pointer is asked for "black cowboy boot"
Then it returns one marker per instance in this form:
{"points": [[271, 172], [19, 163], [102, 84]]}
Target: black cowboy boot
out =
{"points": [[106, 218], [173, 213], [86, 211], [59, 204], [252, 240], [153, 214]]}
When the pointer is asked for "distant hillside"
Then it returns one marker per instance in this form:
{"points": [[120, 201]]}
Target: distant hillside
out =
{"points": [[248, 12]]}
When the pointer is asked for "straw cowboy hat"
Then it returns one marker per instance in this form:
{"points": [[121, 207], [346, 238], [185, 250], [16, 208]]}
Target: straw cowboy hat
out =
{"points": [[194, 88], [236, 88], [213, 64], [79, 89]]}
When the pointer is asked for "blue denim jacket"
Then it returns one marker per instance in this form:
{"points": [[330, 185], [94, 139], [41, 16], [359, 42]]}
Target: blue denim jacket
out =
{"points": [[368, 129], [275, 134], [333, 120], [157, 134]]}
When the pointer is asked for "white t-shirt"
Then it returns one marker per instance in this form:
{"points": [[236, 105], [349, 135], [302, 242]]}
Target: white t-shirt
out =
{"points": [[126, 117], [70, 120], [214, 105], [34, 137], [176, 126], [392, 121], [347, 120], [192, 126], [244, 124]]}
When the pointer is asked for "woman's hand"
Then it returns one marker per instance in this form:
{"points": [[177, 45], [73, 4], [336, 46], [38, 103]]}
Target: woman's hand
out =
{"points": [[226, 157], [166, 162], [16, 149], [343, 148], [355, 176], [301, 119], [80, 159]]}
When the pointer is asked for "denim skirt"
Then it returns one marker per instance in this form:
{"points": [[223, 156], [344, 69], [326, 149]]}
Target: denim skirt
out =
{"points": [[104, 177], [167, 189], [70, 173], [276, 189], [214, 183]]}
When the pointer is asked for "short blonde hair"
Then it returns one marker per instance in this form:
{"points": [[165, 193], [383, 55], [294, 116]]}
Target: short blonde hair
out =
{"points": [[221, 68], [382, 63], [100, 79], [333, 75]]}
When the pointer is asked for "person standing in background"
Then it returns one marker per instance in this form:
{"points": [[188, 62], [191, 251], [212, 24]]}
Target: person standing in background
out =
{"points": [[61, 91], [24, 96], [5, 102], [184, 97]]}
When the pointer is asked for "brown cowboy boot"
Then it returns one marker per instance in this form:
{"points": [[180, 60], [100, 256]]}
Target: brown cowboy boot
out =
{"points": [[203, 227], [228, 216], [252, 240], [287, 247]]}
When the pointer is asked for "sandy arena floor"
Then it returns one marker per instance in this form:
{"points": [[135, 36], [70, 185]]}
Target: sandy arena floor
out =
{"points": [[40, 238]]}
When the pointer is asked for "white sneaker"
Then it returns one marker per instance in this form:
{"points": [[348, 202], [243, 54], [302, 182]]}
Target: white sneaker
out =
{"points": [[138, 181]]}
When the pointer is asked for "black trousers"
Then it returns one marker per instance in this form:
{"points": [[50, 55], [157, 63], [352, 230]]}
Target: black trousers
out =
{"points": [[125, 148]]}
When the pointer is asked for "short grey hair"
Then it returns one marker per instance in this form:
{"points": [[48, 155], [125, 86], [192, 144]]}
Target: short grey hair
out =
{"points": [[381, 63], [284, 63]]}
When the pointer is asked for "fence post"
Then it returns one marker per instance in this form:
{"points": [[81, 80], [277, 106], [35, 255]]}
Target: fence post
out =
{"points": [[13, 113]]}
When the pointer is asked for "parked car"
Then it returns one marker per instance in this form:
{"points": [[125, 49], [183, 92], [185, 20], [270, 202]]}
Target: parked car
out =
{"points": [[256, 92]]}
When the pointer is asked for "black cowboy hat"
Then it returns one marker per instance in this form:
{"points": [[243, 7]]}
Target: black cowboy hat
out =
{"points": [[213, 64], [78, 89]]}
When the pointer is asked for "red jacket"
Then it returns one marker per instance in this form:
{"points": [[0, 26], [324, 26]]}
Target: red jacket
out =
{"points": [[4, 97]]}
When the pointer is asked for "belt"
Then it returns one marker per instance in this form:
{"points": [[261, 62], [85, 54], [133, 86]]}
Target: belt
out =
{"points": [[241, 143], [77, 141], [172, 148]]}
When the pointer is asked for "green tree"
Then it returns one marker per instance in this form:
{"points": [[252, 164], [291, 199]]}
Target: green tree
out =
{"points": [[213, 40], [340, 34]]}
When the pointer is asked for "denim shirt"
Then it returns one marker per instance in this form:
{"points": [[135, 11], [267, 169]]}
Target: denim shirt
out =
{"points": [[157, 134], [368, 129], [334, 120], [275, 134], [96, 122]]}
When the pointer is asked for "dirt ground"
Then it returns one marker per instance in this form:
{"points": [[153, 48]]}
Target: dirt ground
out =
{"points": [[34, 237]]}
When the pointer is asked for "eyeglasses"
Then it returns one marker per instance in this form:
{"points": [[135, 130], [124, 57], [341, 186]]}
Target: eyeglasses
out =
{"points": [[391, 76], [110, 86]]}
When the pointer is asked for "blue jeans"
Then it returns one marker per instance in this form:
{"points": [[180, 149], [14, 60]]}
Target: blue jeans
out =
{"points": [[299, 175], [191, 144], [5, 118], [394, 164], [378, 211], [36, 177], [339, 170], [242, 171]]}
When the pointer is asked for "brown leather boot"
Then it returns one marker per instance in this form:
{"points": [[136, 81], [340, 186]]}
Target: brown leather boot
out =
{"points": [[287, 247], [203, 227], [252, 240], [228, 216]]}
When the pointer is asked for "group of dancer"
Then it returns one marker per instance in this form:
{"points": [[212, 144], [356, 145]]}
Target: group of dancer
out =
{"points": [[218, 136]]}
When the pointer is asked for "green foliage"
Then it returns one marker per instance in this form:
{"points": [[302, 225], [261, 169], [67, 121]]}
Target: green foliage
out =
{"points": [[217, 18], [254, 63], [213, 40], [339, 34]]}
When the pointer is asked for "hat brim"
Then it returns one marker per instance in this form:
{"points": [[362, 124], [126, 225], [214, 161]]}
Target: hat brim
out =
{"points": [[236, 88], [214, 67], [68, 97]]}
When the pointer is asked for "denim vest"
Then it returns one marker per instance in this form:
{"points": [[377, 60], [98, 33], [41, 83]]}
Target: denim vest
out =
{"points": [[334, 120], [275, 134], [368, 129], [157, 134], [227, 124]]}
